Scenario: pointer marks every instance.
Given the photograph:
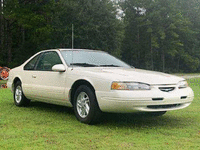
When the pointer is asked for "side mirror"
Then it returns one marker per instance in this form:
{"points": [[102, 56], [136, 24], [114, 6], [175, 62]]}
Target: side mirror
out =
{"points": [[59, 68]]}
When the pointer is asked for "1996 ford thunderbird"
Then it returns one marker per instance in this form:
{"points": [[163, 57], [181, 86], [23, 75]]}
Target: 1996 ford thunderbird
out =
{"points": [[93, 82]]}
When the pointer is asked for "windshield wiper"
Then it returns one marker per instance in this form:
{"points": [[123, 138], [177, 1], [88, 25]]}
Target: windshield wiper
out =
{"points": [[83, 64], [92, 65], [109, 65]]}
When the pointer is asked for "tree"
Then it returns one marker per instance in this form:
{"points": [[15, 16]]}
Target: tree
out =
{"points": [[153, 34], [189, 61], [95, 25], [25, 29]]}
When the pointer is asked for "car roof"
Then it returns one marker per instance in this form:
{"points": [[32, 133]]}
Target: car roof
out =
{"points": [[65, 49]]}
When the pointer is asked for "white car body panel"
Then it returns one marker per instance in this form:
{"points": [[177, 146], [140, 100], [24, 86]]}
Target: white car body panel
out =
{"points": [[54, 87], [45, 85]]}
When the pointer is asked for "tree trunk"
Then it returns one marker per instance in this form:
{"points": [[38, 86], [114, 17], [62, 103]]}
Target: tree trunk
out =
{"points": [[138, 48], [9, 47], [23, 35], [152, 67], [178, 64], [1, 27], [9, 42], [163, 60]]}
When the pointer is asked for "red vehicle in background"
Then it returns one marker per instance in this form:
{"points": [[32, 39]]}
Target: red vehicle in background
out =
{"points": [[4, 73]]}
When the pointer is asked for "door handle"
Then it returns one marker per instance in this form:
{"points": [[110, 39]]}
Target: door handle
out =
{"points": [[33, 76]]}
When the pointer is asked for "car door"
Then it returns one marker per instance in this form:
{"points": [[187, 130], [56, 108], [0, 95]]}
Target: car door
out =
{"points": [[27, 80], [47, 85]]}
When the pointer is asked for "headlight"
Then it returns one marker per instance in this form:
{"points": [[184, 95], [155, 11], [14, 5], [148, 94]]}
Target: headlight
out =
{"points": [[182, 84], [130, 86]]}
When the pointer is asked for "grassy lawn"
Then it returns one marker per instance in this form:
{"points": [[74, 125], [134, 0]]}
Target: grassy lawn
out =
{"points": [[2, 82], [45, 126]]}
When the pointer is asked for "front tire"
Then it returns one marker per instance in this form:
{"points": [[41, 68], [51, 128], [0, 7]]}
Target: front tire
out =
{"points": [[85, 105], [19, 98]]}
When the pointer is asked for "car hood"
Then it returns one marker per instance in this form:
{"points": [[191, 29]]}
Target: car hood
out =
{"points": [[130, 74]]}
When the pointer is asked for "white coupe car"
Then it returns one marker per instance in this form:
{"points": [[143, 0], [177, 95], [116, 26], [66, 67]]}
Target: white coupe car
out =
{"points": [[93, 82]]}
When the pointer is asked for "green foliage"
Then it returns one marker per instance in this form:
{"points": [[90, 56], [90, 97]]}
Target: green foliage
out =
{"points": [[48, 24], [165, 28], [95, 25], [153, 34]]}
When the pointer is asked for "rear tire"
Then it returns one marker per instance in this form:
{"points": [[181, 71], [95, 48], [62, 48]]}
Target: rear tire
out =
{"points": [[19, 98], [85, 105]]}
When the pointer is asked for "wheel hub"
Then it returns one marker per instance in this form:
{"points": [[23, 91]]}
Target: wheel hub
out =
{"points": [[83, 104], [18, 94]]}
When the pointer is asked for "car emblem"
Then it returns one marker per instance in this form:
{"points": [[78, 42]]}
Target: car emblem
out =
{"points": [[166, 89]]}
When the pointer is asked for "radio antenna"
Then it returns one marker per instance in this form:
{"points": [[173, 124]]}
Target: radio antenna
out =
{"points": [[72, 44], [72, 36]]}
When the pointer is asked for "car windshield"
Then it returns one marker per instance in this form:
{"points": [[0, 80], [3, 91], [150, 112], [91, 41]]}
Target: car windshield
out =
{"points": [[89, 58]]}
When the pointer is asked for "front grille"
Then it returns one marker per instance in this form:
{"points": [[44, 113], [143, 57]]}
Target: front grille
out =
{"points": [[163, 106], [166, 89]]}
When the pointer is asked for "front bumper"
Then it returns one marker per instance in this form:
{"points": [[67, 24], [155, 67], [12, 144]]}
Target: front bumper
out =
{"points": [[153, 100]]}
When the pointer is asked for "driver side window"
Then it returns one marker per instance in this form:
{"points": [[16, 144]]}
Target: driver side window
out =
{"points": [[47, 61]]}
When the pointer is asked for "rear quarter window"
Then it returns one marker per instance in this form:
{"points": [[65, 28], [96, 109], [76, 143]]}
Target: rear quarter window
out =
{"points": [[32, 63]]}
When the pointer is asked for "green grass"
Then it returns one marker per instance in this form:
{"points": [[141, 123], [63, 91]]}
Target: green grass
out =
{"points": [[186, 74], [2, 82], [45, 126]]}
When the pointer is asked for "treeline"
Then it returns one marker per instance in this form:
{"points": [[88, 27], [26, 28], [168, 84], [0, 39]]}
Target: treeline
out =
{"points": [[162, 35]]}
